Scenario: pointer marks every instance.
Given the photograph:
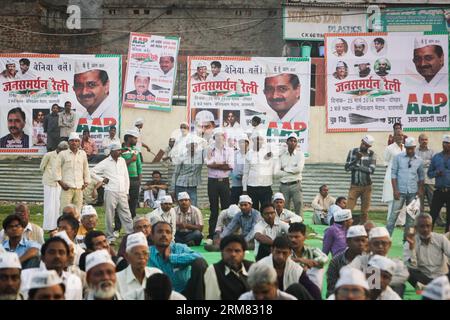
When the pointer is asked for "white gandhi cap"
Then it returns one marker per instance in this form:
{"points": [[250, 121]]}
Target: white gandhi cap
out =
{"points": [[356, 231], [98, 257], [136, 239], [245, 198], [183, 196], [232, 211], [438, 289], [88, 209], [410, 142], [426, 41], [63, 235], [9, 260], [369, 140], [379, 232], [342, 215], [278, 196], [74, 136], [45, 279], [349, 276], [382, 263], [166, 199]]}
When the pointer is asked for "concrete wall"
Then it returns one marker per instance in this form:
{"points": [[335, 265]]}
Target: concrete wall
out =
{"points": [[324, 147]]}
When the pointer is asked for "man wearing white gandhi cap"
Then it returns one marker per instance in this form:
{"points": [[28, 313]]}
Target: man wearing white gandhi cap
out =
{"points": [[282, 92], [46, 285], [202, 72], [352, 285], [91, 86], [383, 269], [10, 71], [429, 60], [141, 90], [135, 276], [340, 47], [101, 276], [10, 270]]}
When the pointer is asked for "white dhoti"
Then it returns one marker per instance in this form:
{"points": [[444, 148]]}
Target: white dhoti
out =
{"points": [[51, 206]]}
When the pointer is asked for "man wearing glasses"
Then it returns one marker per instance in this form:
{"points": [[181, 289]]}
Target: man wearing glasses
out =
{"points": [[407, 178]]}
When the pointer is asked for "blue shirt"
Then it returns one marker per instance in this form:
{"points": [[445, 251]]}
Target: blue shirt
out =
{"points": [[408, 172], [23, 246], [246, 222], [439, 163], [178, 266]]}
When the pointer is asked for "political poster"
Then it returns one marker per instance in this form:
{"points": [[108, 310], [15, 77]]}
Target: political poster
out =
{"points": [[32, 83], [228, 92], [151, 71], [377, 79]]}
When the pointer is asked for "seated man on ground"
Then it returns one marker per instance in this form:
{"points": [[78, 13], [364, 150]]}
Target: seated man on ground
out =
{"points": [[334, 240], [292, 278], [223, 220], [184, 266], [321, 204], [340, 204], [227, 279], [357, 244], [245, 220], [89, 221], [189, 221], [282, 213], [263, 282], [382, 269], [27, 250], [267, 230], [311, 259], [165, 212]]}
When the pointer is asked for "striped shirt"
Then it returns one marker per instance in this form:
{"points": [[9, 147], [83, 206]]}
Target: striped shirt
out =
{"points": [[188, 172], [361, 169], [135, 167], [192, 216]]}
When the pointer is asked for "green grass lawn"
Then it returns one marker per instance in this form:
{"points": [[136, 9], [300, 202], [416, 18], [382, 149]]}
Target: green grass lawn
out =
{"points": [[211, 257]]}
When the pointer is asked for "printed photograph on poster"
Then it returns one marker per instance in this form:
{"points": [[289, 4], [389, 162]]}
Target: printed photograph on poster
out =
{"points": [[16, 137], [275, 90], [96, 94], [203, 121], [34, 83], [151, 71], [382, 87], [30, 85], [231, 118]]}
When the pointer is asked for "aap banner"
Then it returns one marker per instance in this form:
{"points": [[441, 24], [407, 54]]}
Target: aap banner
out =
{"points": [[151, 71], [32, 83], [229, 91], [370, 86]]}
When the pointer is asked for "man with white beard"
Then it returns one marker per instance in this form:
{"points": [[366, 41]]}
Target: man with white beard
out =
{"points": [[101, 276]]}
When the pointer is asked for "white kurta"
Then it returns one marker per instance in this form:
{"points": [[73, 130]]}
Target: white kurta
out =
{"points": [[52, 197], [389, 154]]}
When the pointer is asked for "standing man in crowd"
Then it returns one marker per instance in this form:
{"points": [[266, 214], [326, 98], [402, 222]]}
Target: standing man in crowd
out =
{"points": [[258, 171], [361, 162], [72, 173], [440, 169], [238, 169], [188, 169], [111, 139], [220, 161], [134, 164], [52, 190], [139, 125], [407, 183], [66, 121], [114, 174], [426, 154], [291, 164], [51, 128]]}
